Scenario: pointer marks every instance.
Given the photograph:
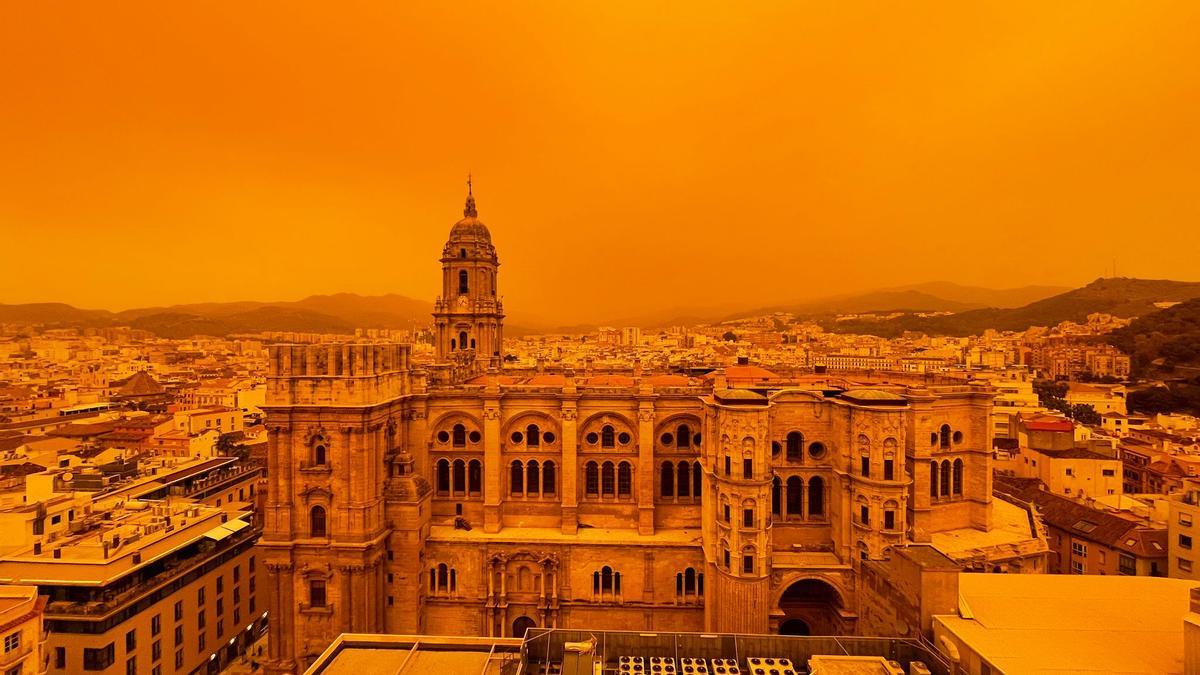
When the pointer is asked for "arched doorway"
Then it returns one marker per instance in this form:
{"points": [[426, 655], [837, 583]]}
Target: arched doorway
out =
{"points": [[794, 627], [522, 624], [810, 607]]}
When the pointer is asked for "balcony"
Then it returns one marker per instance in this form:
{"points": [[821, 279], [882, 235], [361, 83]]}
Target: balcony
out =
{"points": [[112, 601]]}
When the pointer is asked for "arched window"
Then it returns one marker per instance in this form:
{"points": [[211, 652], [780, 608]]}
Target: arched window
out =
{"points": [[607, 437], [748, 468], [548, 479], [591, 479], [459, 434], [667, 478], [685, 474], [748, 513], [607, 479], [531, 481], [606, 582], [460, 476], [518, 478], [944, 487], [933, 479], [816, 497], [795, 497], [316, 522], [443, 476], [958, 477], [474, 477], [748, 560], [533, 436], [463, 286], [776, 495], [696, 479], [795, 446], [624, 480], [944, 436], [683, 437], [453, 343], [462, 340], [319, 455]]}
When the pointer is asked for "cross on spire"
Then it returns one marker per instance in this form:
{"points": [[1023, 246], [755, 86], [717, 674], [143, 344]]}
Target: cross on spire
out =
{"points": [[469, 210]]}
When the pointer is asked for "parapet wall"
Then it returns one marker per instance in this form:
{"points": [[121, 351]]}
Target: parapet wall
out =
{"points": [[337, 374]]}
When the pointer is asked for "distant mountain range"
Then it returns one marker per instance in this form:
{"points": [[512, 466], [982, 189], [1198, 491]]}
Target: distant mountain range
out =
{"points": [[1120, 297], [339, 313], [974, 310], [931, 297]]}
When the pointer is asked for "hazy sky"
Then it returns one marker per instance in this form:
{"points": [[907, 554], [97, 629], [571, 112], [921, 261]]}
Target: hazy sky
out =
{"points": [[627, 155]]}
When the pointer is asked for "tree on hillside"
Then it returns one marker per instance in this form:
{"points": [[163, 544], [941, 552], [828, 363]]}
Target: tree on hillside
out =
{"points": [[729, 336], [1050, 393], [1084, 414]]}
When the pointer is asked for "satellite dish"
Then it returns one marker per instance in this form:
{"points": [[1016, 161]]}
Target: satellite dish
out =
{"points": [[68, 477]]}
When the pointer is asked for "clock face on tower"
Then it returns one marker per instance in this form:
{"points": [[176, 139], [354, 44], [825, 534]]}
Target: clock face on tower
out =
{"points": [[463, 300]]}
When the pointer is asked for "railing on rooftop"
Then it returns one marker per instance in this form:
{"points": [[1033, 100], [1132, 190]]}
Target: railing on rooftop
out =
{"points": [[114, 601], [546, 646]]}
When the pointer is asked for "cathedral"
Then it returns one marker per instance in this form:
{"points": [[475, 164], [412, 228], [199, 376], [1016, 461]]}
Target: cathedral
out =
{"points": [[466, 498]]}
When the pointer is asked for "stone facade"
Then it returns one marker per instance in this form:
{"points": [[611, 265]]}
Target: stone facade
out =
{"points": [[466, 499]]}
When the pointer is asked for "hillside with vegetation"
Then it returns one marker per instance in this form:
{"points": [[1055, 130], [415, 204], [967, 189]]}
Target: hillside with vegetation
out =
{"points": [[1164, 346]]}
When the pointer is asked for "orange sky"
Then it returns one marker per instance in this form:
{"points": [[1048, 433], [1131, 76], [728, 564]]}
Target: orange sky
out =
{"points": [[627, 155]]}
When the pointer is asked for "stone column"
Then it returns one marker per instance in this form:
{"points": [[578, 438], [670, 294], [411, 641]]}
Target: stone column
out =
{"points": [[344, 612], [569, 472], [492, 469], [645, 477]]}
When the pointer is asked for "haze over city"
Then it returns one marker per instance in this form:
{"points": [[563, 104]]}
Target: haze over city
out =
{"points": [[629, 158]]}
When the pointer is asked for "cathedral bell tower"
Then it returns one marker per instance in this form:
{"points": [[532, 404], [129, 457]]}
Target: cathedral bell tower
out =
{"points": [[469, 316]]}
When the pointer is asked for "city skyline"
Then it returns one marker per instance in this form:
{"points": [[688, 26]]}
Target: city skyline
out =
{"points": [[687, 157]]}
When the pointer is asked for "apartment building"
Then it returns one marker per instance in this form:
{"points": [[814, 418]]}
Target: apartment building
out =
{"points": [[146, 576]]}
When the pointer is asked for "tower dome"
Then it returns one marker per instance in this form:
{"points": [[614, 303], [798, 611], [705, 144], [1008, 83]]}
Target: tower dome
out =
{"points": [[470, 227]]}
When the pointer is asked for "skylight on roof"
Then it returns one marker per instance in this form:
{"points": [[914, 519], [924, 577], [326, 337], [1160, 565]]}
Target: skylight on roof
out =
{"points": [[1085, 526]]}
